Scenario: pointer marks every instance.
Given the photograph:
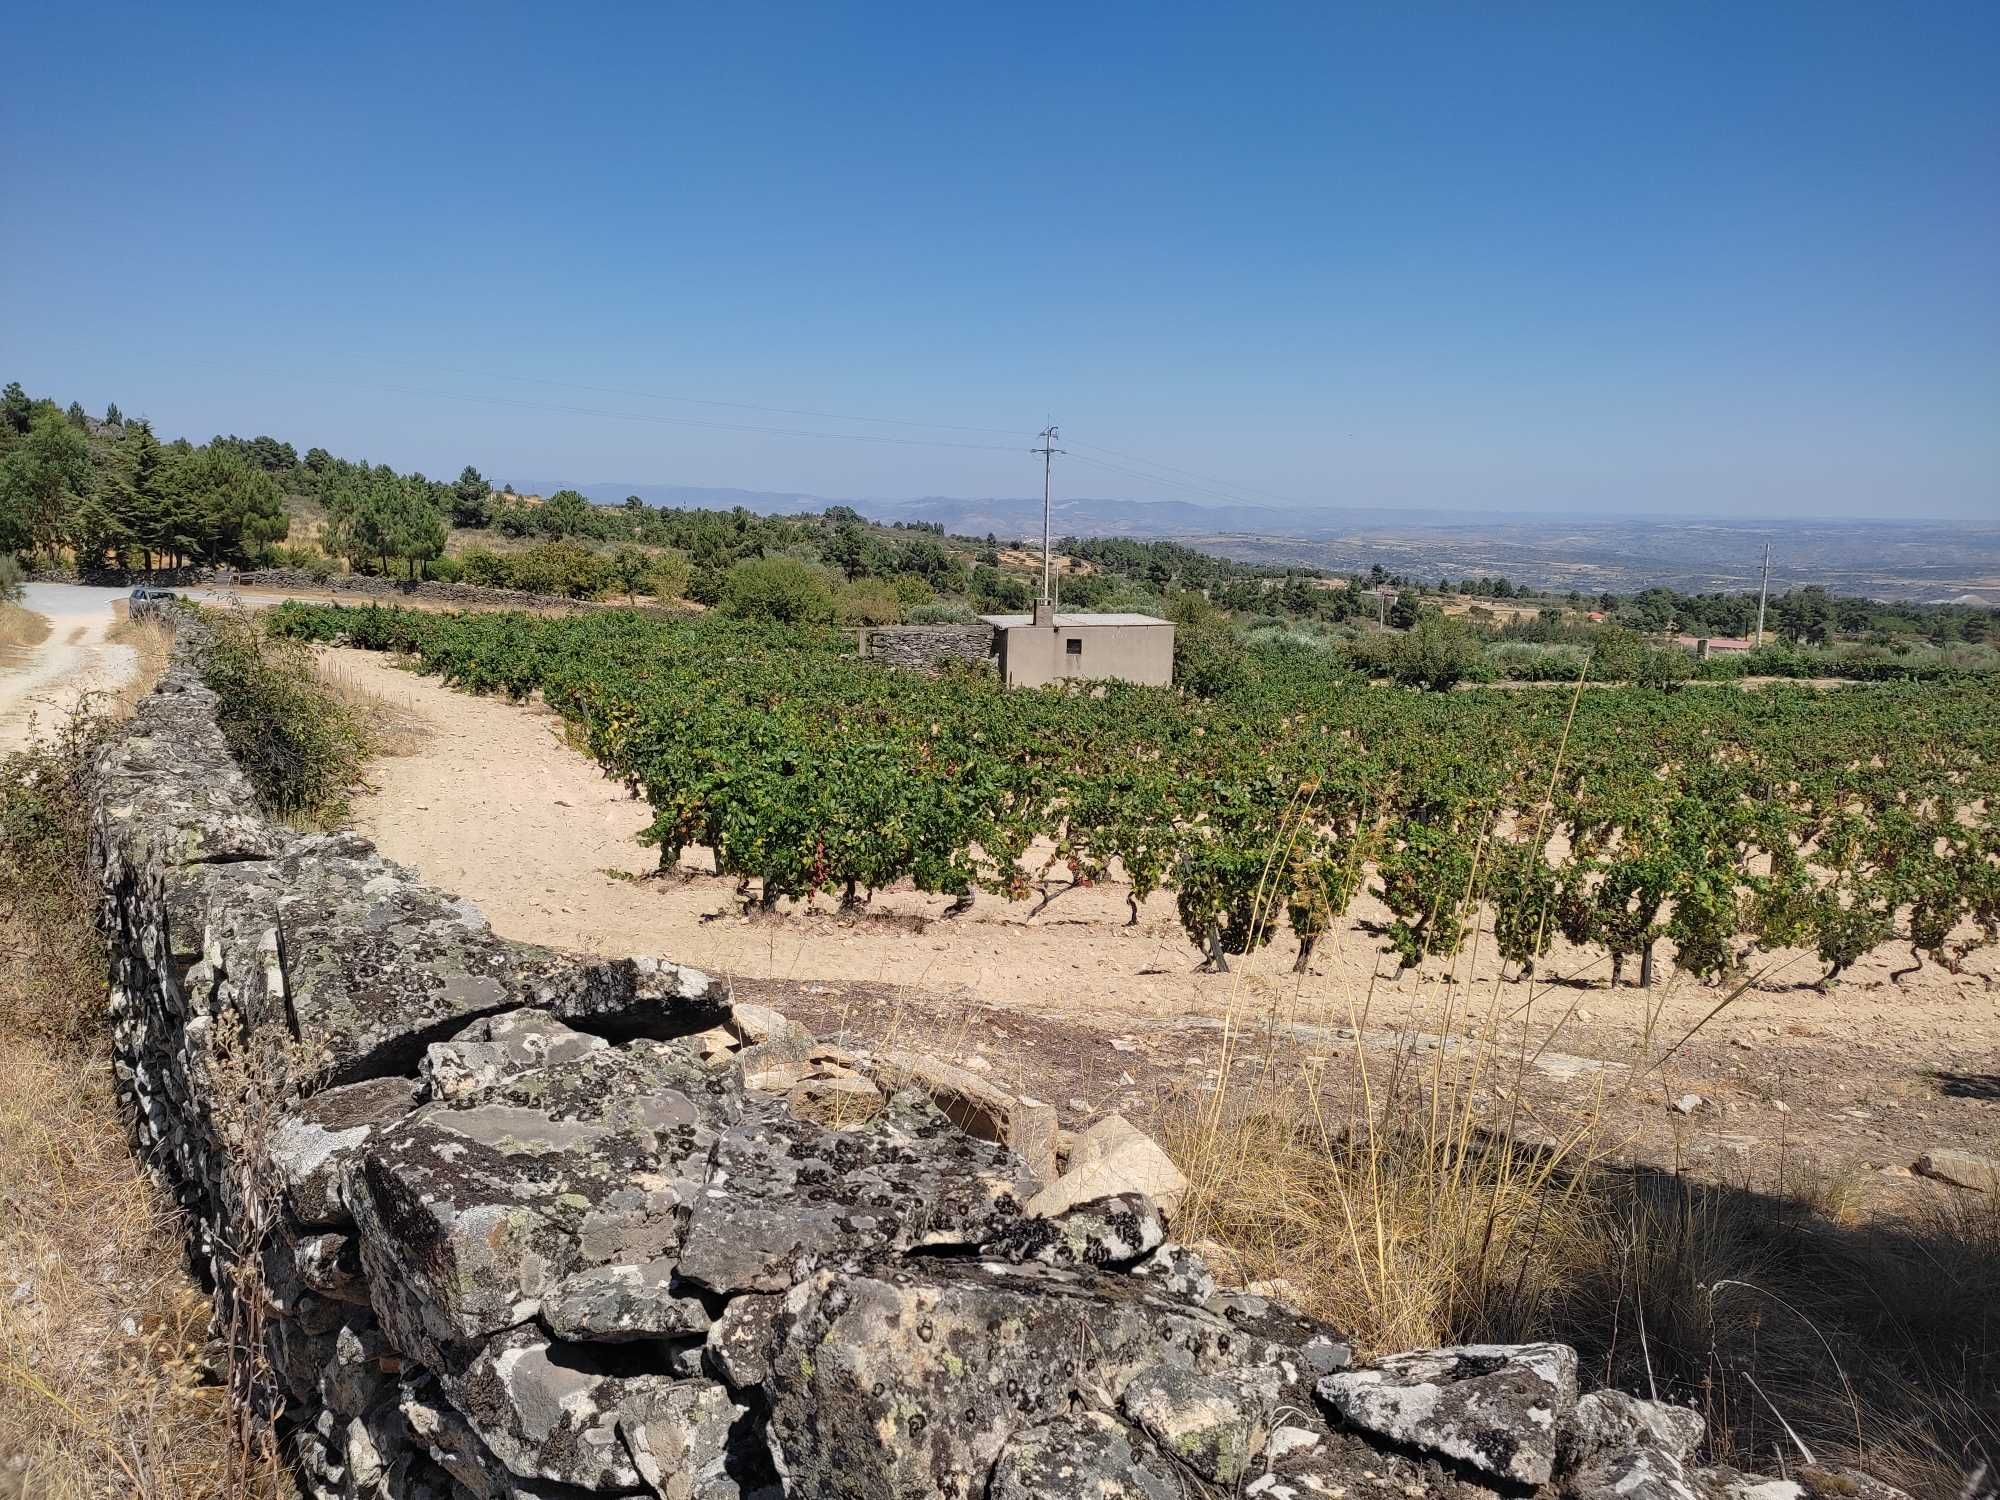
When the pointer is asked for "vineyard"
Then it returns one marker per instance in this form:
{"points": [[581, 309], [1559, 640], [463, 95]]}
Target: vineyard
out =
{"points": [[1722, 822]]}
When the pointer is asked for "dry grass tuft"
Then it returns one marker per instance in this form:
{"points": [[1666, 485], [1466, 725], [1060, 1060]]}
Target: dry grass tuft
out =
{"points": [[107, 1373], [151, 643], [1426, 1213], [20, 628], [392, 728]]}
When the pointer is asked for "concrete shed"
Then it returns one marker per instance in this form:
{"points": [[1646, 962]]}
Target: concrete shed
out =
{"points": [[1051, 647]]}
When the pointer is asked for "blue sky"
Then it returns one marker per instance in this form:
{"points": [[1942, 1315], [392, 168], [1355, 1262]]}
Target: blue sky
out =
{"points": [[1717, 259]]}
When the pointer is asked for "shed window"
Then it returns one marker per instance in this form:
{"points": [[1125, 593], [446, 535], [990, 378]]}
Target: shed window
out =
{"points": [[1073, 647]]}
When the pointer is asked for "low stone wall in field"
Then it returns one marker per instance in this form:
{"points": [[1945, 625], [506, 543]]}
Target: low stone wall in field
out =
{"points": [[928, 647], [301, 580], [487, 1221], [389, 590]]}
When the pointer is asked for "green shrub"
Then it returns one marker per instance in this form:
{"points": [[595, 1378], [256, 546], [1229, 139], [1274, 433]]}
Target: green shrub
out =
{"points": [[910, 590], [1534, 661], [11, 577], [484, 566], [1438, 654], [942, 613], [300, 746], [566, 568], [1208, 658], [778, 588], [444, 570], [280, 555], [870, 601], [671, 575]]}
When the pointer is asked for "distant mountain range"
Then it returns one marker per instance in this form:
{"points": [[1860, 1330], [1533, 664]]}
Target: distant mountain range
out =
{"points": [[1930, 560], [1015, 518]]}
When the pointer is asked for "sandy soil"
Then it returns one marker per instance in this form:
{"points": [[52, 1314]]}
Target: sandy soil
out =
{"points": [[492, 803], [39, 683]]}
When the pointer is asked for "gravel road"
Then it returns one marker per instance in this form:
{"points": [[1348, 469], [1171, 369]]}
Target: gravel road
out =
{"points": [[42, 682]]}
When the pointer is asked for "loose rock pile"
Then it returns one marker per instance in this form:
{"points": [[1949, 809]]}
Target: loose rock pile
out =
{"points": [[489, 1220]]}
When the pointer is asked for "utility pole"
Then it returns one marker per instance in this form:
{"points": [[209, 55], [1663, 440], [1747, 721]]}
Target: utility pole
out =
{"points": [[1763, 594], [1048, 450]]}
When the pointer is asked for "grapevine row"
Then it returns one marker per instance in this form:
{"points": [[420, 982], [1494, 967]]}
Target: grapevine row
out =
{"points": [[1835, 821]]}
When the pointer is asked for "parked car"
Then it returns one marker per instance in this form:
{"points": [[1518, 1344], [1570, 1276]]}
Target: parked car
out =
{"points": [[146, 600]]}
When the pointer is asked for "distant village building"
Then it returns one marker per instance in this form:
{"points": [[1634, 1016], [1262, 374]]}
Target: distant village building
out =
{"points": [[1050, 647]]}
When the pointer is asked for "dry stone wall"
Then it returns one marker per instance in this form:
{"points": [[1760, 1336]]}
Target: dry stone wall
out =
{"points": [[375, 586], [488, 1221], [928, 647]]}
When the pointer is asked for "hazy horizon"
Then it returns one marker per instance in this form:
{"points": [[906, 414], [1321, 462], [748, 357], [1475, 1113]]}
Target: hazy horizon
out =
{"points": [[1569, 262]]}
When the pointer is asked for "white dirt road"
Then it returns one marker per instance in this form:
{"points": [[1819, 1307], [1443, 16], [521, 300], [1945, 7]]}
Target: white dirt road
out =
{"points": [[38, 684]]}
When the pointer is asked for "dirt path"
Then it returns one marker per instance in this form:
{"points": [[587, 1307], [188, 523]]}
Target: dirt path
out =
{"points": [[493, 804], [39, 682]]}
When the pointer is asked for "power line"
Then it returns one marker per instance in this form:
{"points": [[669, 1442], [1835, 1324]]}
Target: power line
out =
{"points": [[1203, 490], [783, 411], [657, 419], [1229, 489], [1194, 483], [1191, 474]]}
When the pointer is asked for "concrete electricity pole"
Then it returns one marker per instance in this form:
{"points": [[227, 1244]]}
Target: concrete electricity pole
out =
{"points": [[1763, 594], [1048, 450]]}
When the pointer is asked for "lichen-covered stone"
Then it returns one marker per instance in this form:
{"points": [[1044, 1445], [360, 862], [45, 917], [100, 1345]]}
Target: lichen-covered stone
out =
{"points": [[1648, 1473], [623, 1302], [552, 1411], [377, 965], [785, 1194], [471, 1212], [315, 1146], [1608, 1423], [745, 1338], [679, 1439], [1090, 1456], [944, 1361], [476, 1061], [1176, 1271], [1104, 1232], [1499, 1408], [1215, 1424]]}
